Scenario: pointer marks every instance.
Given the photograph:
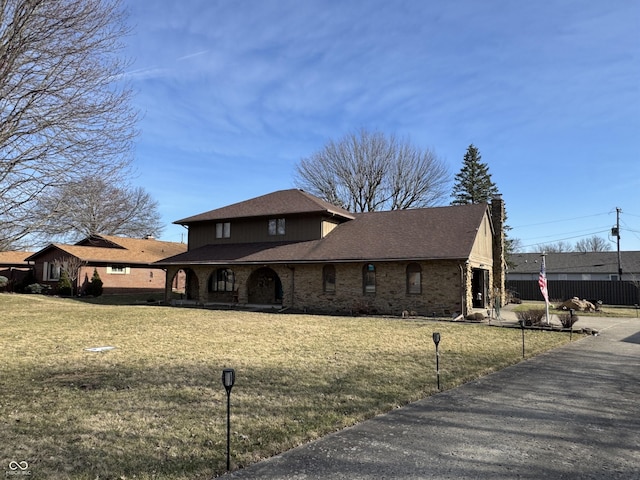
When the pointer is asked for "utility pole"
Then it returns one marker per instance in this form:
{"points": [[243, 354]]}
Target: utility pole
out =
{"points": [[617, 234]]}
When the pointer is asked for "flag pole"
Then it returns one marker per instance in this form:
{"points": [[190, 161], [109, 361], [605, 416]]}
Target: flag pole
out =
{"points": [[542, 281]]}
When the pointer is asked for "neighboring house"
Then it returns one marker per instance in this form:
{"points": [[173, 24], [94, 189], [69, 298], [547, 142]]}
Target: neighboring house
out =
{"points": [[14, 267], [291, 250], [125, 265], [575, 266], [591, 275]]}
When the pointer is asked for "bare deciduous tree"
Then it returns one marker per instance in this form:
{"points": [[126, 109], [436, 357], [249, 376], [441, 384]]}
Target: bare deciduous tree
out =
{"points": [[64, 110], [93, 206], [557, 247], [72, 266], [592, 244], [368, 171]]}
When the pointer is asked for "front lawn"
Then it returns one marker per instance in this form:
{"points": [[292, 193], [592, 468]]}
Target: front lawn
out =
{"points": [[154, 406]]}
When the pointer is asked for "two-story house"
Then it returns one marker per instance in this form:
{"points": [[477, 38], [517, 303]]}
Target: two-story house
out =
{"points": [[291, 250]]}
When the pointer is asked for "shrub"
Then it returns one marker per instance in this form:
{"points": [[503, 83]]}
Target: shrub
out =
{"points": [[532, 317], [29, 279], [95, 285], [3, 281], [567, 320], [64, 284], [37, 288]]}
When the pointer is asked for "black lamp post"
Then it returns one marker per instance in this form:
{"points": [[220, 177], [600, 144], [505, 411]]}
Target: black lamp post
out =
{"points": [[571, 310], [522, 328], [436, 340], [228, 379]]}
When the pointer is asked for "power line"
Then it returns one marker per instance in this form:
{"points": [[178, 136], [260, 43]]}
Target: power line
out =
{"points": [[575, 233], [562, 239], [563, 220]]}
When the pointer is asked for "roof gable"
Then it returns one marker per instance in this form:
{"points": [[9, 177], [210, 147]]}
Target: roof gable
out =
{"points": [[121, 250], [282, 202], [422, 233]]}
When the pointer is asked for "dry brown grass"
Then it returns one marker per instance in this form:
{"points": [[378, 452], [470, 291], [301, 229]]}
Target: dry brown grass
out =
{"points": [[154, 407]]}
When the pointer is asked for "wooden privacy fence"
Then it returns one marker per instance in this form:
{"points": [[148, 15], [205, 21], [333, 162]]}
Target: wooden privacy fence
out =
{"points": [[610, 292]]}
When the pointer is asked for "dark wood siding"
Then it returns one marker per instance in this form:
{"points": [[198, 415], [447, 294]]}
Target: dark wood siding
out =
{"points": [[608, 291], [297, 229]]}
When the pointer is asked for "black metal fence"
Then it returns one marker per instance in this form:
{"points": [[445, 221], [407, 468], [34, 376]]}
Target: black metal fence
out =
{"points": [[610, 292]]}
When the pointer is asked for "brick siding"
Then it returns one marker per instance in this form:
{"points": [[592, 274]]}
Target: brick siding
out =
{"points": [[302, 285]]}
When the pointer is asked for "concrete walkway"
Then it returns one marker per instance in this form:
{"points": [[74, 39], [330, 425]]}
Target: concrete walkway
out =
{"points": [[573, 413]]}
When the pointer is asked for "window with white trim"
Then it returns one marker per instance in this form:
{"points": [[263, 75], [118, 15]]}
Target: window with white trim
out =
{"points": [[118, 270]]}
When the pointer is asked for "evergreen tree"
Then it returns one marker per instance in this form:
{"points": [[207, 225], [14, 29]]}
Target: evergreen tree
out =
{"points": [[64, 284], [473, 183], [95, 285]]}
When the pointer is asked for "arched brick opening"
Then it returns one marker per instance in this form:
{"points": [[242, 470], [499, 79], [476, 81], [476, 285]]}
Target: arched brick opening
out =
{"points": [[264, 287]]}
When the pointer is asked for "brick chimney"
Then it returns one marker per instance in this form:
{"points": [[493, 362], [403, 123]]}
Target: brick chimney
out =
{"points": [[499, 257]]}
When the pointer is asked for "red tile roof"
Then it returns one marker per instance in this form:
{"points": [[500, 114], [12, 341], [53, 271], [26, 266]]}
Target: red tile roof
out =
{"points": [[283, 202]]}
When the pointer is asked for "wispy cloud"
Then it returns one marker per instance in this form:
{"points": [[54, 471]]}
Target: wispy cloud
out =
{"points": [[544, 86], [193, 55]]}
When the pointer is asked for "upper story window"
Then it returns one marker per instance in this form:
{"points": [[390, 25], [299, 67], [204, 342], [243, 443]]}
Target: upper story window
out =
{"points": [[223, 230], [276, 226]]}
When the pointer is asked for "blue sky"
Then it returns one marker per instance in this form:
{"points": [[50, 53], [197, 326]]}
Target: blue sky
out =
{"points": [[234, 93]]}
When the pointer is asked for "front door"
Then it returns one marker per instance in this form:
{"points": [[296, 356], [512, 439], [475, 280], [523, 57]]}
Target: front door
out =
{"points": [[264, 287], [480, 287]]}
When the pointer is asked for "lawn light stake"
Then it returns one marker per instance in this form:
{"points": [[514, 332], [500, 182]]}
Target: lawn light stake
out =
{"points": [[522, 328], [228, 379], [436, 340]]}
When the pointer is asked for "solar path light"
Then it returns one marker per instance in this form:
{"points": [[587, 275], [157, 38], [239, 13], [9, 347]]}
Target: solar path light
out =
{"points": [[436, 340], [228, 379]]}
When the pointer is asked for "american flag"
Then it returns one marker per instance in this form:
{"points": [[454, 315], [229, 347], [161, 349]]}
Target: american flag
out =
{"points": [[542, 281]]}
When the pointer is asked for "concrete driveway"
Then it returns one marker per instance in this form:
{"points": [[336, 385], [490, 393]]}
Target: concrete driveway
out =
{"points": [[572, 413]]}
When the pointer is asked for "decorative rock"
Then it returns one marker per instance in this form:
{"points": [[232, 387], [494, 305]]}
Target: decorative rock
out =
{"points": [[576, 304]]}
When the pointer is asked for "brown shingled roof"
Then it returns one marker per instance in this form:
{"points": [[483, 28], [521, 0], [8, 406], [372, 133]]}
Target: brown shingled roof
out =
{"points": [[14, 258], [130, 251], [282, 202], [426, 233]]}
